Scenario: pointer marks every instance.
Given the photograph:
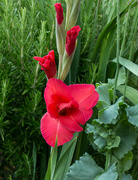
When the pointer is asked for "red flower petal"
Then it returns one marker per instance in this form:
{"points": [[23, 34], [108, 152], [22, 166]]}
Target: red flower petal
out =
{"points": [[52, 128], [56, 91], [40, 59], [87, 114], [85, 95], [70, 121], [48, 64]]}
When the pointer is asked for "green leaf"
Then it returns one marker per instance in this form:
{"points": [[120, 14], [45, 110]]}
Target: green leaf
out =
{"points": [[128, 139], [95, 139], [100, 142], [104, 55], [109, 115], [128, 64], [131, 93], [121, 77], [64, 161], [108, 135], [51, 163], [104, 100], [84, 168], [132, 113], [126, 177], [110, 174], [126, 162], [114, 143]]}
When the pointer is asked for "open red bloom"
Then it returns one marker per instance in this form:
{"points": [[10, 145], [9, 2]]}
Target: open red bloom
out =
{"points": [[48, 64], [71, 39], [59, 13], [67, 107]]}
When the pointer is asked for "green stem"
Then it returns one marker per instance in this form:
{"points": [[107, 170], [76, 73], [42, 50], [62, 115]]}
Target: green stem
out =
{"points": [[118, 44], [125, 32], [108, 160]]}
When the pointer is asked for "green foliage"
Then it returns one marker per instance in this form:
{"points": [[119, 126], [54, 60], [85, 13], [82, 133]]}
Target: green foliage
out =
{"points": [[85, 168], [115, 131], [131, 93], [126, 177], [128, 64], [27, 30], [110, 174], [132, 113], [65, 158]]}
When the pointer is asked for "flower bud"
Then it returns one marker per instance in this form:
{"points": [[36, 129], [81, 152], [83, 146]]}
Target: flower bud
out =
{"points": [[60, 29], [48, 64], [59, 13], [71, 39], [69, 53]]}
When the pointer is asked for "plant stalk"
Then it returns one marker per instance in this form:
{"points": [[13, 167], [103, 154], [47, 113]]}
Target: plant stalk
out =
{"points": [[117, 54]]}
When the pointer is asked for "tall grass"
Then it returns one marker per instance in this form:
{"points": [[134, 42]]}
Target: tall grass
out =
{"points": [[27, 29]]}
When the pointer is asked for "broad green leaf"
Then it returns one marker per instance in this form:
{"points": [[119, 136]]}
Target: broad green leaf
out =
{"points": [[95, 139], [126, 177], [114, 143], [84, 168], [128, 139], [109, 115], [101, 137], [121, 77], [109, 136], [131, 93], [128, 64], [100, 142], [104, 100], [110, 174], [64, 161], [132, 113], [126, 162]]}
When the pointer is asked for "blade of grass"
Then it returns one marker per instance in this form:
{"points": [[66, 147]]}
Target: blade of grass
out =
{"points": [[128, 64], [131, 93], [104, 55]]}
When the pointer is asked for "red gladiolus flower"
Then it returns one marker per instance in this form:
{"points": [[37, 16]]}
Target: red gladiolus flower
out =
{"points": [[48, 64], [71, 39], [67, 107], [59, 13]]}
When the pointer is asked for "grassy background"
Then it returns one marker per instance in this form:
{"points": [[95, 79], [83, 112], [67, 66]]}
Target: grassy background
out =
{"points": [[27, 29]]}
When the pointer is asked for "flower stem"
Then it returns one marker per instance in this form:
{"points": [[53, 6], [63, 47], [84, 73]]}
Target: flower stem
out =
{"points": [[108, 160], [117, 54]]}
